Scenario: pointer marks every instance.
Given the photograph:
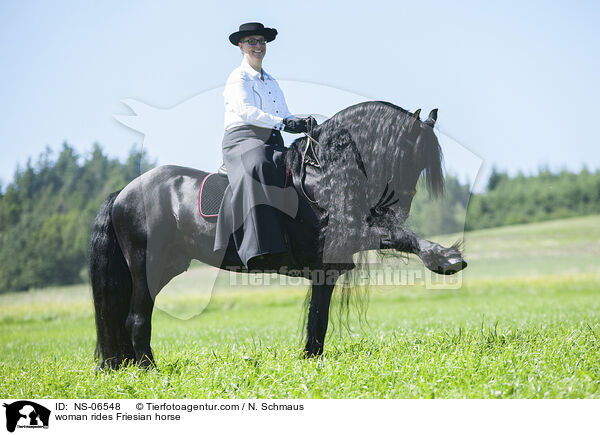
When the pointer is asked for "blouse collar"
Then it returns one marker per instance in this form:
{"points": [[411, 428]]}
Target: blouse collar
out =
{"points": [[253, 73]]}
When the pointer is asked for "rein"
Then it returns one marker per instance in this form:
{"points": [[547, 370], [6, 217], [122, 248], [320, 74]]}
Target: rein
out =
{"points": [[309, 141], [305, 161]]}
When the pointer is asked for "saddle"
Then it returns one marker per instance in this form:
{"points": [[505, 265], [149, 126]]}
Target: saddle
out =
{"points": [[212, 191]]}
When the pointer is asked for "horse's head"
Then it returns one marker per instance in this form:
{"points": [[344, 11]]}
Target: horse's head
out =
{"points": [[414, 154], [371, 155], [420, 155]]}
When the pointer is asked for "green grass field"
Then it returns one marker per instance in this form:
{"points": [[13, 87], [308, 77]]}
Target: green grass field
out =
{"points": [[524, 324]]}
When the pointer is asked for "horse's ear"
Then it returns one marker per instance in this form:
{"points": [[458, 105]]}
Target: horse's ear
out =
{"points": [[432, 118], [413, 119]]}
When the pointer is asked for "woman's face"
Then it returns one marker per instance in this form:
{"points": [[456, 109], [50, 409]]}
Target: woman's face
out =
{"points": [[255, 52]]}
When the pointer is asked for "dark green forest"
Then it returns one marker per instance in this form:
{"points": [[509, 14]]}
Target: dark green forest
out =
{"points": [[46, 212], [544, 196], [507, 201]]}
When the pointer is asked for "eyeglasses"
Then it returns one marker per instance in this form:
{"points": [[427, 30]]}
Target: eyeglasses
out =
{"points": [[255, 41]]}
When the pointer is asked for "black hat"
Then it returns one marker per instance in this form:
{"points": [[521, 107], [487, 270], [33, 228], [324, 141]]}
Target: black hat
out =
{"points": [[248, 29]]}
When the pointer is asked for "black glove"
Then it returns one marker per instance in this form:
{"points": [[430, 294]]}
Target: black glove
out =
{"points": [[310, 123], [293, 124]]}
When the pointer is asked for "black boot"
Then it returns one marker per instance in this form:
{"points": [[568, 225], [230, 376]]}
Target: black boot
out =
{"points": [[269, 263], [282, 262]]}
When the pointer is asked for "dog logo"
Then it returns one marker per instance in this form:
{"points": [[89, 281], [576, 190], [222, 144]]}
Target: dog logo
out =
{"points": [[26, 414]]}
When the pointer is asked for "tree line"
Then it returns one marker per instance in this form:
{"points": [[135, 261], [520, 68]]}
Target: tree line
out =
{"points": [[46, 212], [507, 200], [544, 196]]}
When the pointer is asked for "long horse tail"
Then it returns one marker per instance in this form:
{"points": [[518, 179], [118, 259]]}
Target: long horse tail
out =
{"points": [[111, 290]]}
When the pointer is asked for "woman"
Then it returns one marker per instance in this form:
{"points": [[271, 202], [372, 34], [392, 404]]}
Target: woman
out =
{"points": [[255, 112]]}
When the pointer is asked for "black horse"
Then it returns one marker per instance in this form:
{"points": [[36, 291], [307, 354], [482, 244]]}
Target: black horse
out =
{"points": [[355, 178]]}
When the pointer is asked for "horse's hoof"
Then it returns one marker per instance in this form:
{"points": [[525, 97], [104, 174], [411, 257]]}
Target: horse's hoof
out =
{"points": [[107, 364], [101, 366], [146, 363], [312, 353], [454, 266]]}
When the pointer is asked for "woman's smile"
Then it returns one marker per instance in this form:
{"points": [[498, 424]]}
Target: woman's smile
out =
{"points": [[258, 52]]}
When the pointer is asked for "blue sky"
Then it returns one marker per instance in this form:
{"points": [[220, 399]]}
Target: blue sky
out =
{"points": [[515, 83]]}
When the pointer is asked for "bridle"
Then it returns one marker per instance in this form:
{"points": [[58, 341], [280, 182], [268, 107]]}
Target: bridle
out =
{"points": [[309, 140], [305, 161], [317, 164]]}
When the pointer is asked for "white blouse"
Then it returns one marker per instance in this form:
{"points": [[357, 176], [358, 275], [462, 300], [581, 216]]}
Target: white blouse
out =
{"points": [[250, 100]]}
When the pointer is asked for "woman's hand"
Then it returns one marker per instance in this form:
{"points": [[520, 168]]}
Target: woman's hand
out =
{"points": [[294, 124]]}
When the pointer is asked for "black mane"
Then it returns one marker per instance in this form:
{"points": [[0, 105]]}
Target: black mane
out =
{"points": [[379, 130]]}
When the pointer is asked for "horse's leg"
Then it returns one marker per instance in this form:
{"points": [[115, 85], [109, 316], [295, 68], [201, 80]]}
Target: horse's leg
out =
{"points": [[140, 315], [441, 260], [111, 290], [131, 227], [318, 316], [438, 259]]}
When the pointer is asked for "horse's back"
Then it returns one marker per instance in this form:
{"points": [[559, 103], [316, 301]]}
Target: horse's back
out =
{"points": [[165, 173], [160, 178], [157, 196]]}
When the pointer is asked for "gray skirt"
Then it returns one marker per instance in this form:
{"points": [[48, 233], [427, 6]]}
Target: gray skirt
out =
{"points": [[259, 193]]}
